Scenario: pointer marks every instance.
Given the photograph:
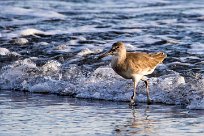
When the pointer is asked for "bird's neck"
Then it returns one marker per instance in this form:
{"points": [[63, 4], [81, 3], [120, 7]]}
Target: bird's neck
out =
{"points": [[122, 55], [121, 58], [118, 59]]}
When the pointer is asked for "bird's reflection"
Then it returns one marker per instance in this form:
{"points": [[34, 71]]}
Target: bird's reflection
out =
{"points": [[139, 123]]}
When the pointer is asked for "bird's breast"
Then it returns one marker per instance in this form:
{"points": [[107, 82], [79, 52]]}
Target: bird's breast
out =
{"points": [[124, 74], [120, 68]]}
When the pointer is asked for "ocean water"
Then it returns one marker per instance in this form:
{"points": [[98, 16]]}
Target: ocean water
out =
{"points": [[51, 47], [24, 113]]}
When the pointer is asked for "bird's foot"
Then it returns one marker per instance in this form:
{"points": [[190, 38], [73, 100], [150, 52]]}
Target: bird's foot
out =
{"points": [[149, 101], [132, 103]]}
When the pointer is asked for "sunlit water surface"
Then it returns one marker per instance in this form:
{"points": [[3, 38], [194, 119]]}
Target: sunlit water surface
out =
{"points": [[23, 113]]}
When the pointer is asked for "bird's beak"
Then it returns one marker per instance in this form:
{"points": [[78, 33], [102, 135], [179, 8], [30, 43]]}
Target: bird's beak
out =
{"points": [[110, 52]]}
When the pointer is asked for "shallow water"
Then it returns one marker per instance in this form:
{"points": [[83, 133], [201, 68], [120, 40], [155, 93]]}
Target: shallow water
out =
{"points": [[23, 113]]}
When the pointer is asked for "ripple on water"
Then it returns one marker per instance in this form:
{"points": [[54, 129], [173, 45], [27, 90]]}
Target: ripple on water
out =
{"points": [[51, 114]]}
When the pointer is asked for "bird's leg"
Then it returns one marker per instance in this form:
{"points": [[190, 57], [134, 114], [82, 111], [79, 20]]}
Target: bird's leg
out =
{"points": [[147, 90], [133, 97]]}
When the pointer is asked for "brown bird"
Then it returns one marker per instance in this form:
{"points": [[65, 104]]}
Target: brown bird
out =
{"points": [[133, 65]]}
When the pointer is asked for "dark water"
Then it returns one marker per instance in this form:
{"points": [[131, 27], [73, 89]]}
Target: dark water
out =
{"points": [[23, 113], [175, 27]]}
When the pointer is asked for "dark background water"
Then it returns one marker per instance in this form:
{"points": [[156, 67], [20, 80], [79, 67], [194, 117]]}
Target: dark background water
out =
{"points": [[175, 27]]}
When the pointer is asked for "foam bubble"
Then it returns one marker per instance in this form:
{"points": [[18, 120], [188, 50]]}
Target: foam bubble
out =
{"points": [[4, 51], [31, 31], [21, 41], [84, 52], [62, 48], [51, 66], [25, 32]]}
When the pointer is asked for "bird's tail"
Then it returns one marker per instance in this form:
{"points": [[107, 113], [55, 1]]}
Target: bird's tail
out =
{"points": [[160, 56]]}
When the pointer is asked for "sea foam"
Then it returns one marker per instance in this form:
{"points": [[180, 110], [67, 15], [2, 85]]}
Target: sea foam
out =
{"points": [[31, 12], [6, 52], [103, 83]]}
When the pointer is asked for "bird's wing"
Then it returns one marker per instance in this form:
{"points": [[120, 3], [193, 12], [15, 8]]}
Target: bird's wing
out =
{"points": [[139, 62]]}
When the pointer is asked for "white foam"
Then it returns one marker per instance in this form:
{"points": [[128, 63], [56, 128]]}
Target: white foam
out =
{"points": [[21, 41], [84, 52], [106, 84], [184, 59], [130, 46], [35, 32], [71, 30], [103, 83], [43, 43], [20, 22], [168, 21], [46, 87], [195, 11], [148, 39], [196, 104], [31, 31], [51, 66], [73, 42], [4, 51], [12, 76], [196, 48], [31, 12], [25, 32]]}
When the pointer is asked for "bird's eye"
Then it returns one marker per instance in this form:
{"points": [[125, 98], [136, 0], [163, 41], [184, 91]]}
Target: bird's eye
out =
{"points": [[114, 48]]}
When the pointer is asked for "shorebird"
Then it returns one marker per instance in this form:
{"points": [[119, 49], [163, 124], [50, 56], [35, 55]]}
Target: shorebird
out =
{"points": [[133, 65]]}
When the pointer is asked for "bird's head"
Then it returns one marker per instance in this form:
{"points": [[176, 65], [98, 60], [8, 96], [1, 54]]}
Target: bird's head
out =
{"points": [[117, 49]]}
